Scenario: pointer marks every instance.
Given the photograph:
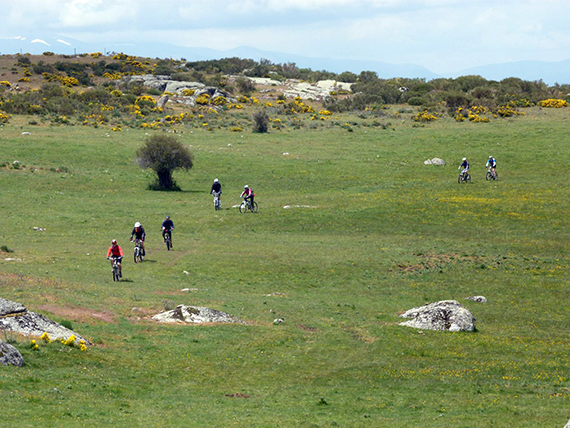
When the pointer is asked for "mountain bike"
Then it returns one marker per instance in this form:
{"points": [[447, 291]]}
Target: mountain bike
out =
{"points": [[464, 177], [217, 201], [167, 240], [491, 176], [246, 206], [116, 270], [138, 254]]}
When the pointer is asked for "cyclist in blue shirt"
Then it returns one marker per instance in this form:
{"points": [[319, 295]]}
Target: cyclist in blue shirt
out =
{"points": [[492, 163], [464, 166], [167, 226]]}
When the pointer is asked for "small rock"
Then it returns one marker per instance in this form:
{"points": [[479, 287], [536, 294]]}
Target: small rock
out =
{"points": [[278, 321], [186, 272], [26, 133], [10, 356], [478, 299]]}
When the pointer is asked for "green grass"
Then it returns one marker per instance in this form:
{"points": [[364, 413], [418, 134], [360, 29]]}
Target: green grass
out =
{"points": [[383, 233]]}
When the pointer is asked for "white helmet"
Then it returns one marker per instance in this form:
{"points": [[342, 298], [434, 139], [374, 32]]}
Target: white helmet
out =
{"points": [[215, 180], [137, 224], [464, 159], [246, 187], [490, 157]]}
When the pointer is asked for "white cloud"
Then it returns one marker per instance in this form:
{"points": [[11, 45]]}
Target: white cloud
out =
{"points": [[40, 41]]}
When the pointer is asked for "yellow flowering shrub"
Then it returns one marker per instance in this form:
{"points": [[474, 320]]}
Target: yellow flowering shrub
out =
{"points": [[553, 103], [24, 79], [424, 116], [114, 76], [5, 83], [188, 92], [219, 101], [243, 99], [4, 117], [95, 54], [203, 99], [236, 129]]}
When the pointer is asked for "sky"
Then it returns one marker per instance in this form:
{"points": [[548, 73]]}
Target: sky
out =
{"points": [[441, 35]]}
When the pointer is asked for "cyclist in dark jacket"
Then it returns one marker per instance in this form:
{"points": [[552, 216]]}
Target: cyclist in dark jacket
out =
{"points": [[217, 190], [167, 226], [139, 233]]}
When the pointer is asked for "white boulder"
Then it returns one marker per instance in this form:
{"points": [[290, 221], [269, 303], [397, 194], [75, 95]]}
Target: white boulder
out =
{"points": [[446, 315]]}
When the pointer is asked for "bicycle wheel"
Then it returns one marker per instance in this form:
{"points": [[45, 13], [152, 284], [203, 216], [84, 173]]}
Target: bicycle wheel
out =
{"points": [[254, 208], [460, 179], [167, 242], [468, 178], [115, 274], [496, 177], [136, 255], [243, 208]]}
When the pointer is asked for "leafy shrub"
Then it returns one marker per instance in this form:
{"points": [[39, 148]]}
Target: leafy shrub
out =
{"points": [[245, 86], [417, 101], [260, 121], [164, 154]]}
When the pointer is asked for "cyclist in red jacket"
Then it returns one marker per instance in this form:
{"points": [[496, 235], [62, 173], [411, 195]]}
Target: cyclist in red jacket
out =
{"points": [[248, 195], [115, 252]]}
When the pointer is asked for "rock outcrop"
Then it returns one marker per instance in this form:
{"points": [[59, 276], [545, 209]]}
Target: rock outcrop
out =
{"points": [[318, 91], [446, 315], [15, 317], [195, 315], [10, 356]]}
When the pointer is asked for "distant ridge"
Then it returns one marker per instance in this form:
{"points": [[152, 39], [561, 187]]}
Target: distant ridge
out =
{"points": [[549, 72]]}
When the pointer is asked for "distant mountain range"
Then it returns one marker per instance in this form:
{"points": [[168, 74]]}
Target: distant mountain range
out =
{"points": [[549, 72]]}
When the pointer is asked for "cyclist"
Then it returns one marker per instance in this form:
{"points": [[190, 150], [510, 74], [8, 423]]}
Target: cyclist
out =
{"points": [[217, 191], [492, 164], [139, 233], [115, 252], [248, 195], [464, 166], [167, 226]]}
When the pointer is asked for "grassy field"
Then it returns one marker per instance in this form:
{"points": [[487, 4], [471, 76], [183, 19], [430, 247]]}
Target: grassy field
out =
{"points": [[381, 233]]}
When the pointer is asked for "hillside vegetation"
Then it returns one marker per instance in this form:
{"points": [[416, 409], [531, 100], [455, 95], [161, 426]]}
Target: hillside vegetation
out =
{"points": [[352, 230]]}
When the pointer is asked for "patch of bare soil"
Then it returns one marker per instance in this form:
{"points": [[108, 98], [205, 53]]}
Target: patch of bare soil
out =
{"points": [[428, 262], [79, 314]]}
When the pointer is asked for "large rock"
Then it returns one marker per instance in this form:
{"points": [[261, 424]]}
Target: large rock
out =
{"points": [[15, 317], [195, 315], [446, 315], [318, 91], [7, 307], [10, 356], [163, 83]]}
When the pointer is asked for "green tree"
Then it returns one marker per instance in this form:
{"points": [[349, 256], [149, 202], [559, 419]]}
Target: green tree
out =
{"points": [[164, 154]]}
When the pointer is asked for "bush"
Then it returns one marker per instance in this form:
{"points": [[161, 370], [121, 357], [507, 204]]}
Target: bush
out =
{"points": [[260, 121], [245, 86], [417, 101], [164, 154]]}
